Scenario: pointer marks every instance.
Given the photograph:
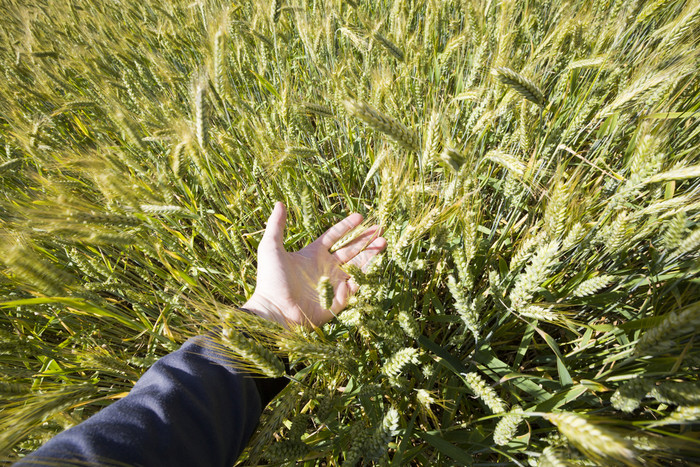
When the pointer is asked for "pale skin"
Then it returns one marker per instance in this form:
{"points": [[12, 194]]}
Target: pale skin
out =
{"points": [[285, 290]]}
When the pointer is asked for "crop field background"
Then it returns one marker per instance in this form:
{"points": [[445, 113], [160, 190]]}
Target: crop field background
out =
{"points": [[535, 165]]}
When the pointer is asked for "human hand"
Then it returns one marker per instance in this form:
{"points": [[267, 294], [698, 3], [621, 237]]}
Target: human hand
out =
{"points": [[286, 281]]}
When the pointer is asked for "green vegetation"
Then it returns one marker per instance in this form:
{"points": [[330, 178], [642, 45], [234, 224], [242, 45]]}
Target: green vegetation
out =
{"points": [[535, 164]]}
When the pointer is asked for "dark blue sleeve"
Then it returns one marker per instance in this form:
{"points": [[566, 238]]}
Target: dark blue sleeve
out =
{"points": [[190, 408]]}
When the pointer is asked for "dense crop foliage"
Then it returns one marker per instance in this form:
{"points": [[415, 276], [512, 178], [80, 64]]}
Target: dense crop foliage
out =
{"points": [[535, 165]]}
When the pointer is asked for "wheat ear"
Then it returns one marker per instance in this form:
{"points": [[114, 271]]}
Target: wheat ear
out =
{"points": [[597, 442], [521, 84], [381, 122], [275, 10], [675, 324], [484, 392], [508, 426], [392, 48]]}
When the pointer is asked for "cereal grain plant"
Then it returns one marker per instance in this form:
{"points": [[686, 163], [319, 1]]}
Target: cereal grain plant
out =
{"points": [[535, 165]]}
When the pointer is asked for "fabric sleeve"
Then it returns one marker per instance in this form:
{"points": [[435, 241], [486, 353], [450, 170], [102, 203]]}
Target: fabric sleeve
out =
{"points": [[191, 408]]}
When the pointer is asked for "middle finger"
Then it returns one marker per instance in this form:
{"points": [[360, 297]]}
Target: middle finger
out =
{"points": [[352, 249]]}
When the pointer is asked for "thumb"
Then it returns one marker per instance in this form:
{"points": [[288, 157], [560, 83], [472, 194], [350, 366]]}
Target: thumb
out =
{"points": [[274, 231]]}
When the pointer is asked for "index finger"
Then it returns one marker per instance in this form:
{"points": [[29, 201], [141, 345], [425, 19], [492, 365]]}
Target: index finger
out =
{"points": [[335, 233]]}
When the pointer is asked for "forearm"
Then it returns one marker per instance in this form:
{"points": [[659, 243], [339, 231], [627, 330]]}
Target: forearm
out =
{"points": [[191, 408]]}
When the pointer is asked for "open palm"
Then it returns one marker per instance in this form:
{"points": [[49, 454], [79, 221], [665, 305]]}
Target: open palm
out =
{"points": [[286, 281]]}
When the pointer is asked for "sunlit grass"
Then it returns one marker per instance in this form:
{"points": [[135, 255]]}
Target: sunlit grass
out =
{"points": [[534, 165]]}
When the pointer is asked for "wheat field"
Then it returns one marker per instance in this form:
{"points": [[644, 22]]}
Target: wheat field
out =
{"points": [[535, 166]]}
